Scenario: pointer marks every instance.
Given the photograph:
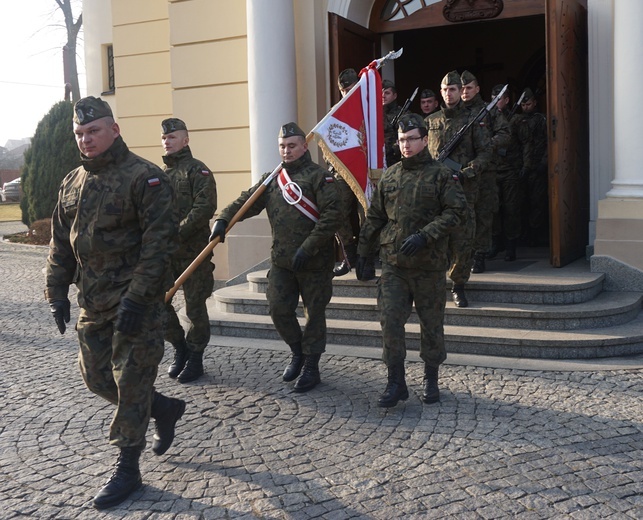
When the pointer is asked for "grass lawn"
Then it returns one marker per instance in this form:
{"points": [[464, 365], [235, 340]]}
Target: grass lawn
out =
{"points": [[10, 212]]}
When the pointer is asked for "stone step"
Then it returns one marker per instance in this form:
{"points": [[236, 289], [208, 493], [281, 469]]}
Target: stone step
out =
{"points": [[620, 340], [605, 310], [544, 287]]}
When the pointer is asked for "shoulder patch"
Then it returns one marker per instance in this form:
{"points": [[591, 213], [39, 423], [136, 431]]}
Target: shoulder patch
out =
{"points": [[205, 173], [153, 181], [330, 179]]}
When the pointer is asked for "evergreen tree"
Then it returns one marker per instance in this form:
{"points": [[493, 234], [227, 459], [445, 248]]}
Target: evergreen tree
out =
{"points": [[53, 154]]}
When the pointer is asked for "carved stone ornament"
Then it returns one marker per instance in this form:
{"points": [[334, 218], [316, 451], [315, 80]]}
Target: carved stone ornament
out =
{"points": [[467, 10]]}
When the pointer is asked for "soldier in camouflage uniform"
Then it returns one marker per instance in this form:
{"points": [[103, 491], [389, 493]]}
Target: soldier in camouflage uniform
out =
{"points": [[196, 199], [113, 233], [415, 206], [487, 203], [428, 102], [473, 154], [506, 222], [390, 111], [302, 252], [532, 133]]}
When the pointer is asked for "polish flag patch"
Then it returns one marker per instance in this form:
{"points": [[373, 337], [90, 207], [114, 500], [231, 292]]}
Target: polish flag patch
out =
{"points": [[205, 173], [154, 181]]}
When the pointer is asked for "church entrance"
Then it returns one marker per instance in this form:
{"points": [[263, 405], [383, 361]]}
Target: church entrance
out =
{"points": [[541, 44]]}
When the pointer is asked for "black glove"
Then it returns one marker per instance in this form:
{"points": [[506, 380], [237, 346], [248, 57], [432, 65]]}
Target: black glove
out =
{"points": [[130, 316], [60, 311], [412, 244], [218, 230], [359, 267], [300, 258]]}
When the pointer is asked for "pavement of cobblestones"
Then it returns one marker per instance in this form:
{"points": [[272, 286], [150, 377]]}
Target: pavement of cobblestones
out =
{"points": [[503, 442]]}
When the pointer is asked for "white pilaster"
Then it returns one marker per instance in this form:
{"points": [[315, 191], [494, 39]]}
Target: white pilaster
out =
{"points": [[628, 125], [272, 78]]}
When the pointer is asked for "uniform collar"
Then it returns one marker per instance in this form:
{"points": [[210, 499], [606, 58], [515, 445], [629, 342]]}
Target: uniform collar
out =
{"points": [[174, 158], [114, 154], [297, 164], [418, 159]]}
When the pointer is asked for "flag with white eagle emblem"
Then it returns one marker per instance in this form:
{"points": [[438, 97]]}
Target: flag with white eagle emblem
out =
{"points": [[351, 135]]}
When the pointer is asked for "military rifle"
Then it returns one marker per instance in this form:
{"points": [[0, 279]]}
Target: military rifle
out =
{"points": [[405, 107], [447, 149]]}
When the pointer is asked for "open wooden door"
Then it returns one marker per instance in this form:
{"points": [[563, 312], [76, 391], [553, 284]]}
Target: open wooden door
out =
{"points": [[568, 120], [350, 45]]}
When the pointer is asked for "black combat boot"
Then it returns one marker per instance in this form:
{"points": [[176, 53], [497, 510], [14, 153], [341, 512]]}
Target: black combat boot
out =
{"points": [[478, 263], [396, 389], [180, 358], [166, 411], [309, 378], [459, 297], [124, 481], [430, 392], [510, 251], [193, 368], [294, 368]]}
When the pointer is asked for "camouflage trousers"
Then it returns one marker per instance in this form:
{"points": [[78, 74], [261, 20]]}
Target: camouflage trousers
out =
{"points": [[461, 248], [506, 221], [316, 290], [122, 369], [537, 197], [486, 206], [196, 290], [398, 288], [351, 217]]}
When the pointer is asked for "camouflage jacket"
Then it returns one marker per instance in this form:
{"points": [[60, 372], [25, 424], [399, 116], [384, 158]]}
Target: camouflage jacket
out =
{"points": [[290, 228], [114, 230], [510, 157], [417, 194], [474, 150], [196, 199], [391, 149], [496, 123], [531, 130]]}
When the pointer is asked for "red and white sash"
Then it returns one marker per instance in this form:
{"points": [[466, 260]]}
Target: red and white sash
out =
{"points": [[293, 195]]}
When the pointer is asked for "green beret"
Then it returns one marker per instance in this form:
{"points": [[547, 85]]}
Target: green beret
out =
{"points": [[291, 130], [497, 89], [410, 121], [528, 95], [172, 125], [427, 93], [452, 78], [347, 78], [466, 77], [89, 109], [387, 83]]}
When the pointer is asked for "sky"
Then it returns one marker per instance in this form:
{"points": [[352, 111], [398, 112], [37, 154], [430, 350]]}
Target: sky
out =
{"points": [[32, 35]]}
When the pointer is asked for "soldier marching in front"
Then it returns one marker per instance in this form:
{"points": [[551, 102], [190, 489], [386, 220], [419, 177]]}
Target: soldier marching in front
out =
{"points": [[469, 160], [415, 206], [113, 233], [196, 199], [302, 254]]}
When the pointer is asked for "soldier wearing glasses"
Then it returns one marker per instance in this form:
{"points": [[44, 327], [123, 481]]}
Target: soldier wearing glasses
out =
{"points": [[415, 206]]}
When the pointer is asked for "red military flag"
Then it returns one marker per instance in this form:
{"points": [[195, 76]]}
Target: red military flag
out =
{"points": [[351, 135]]}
